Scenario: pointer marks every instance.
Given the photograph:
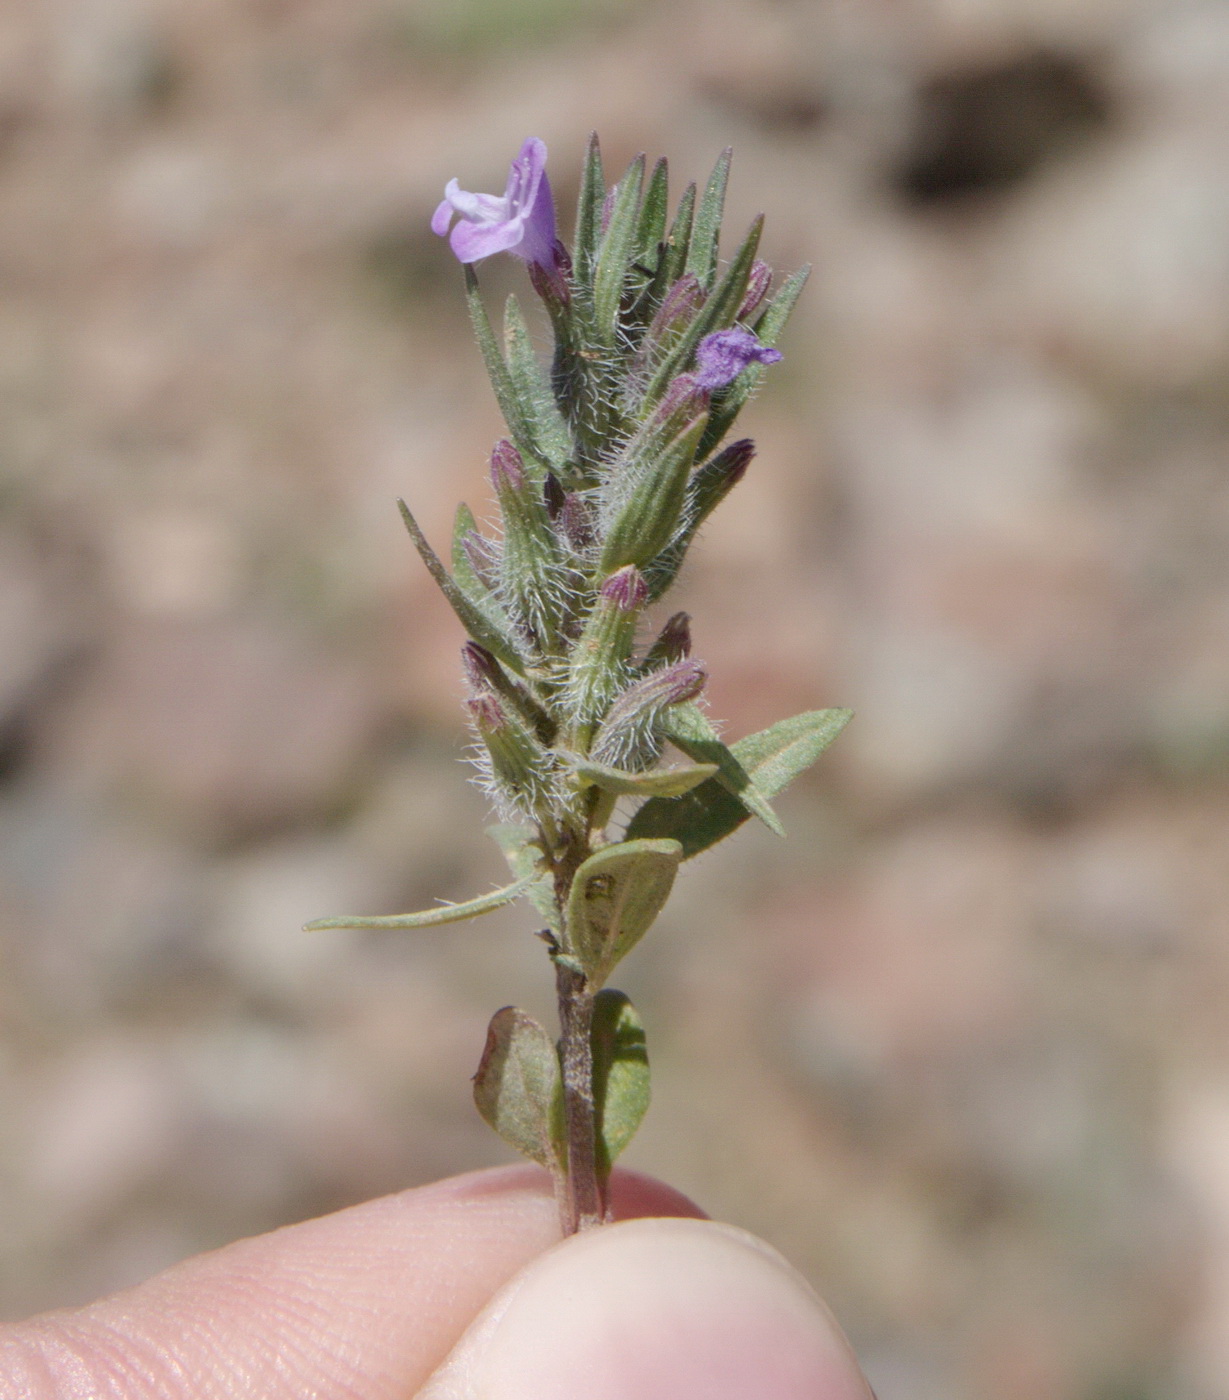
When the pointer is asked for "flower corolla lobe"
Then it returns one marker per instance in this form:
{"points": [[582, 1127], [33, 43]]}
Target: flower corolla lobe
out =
{"points": [[722, 356], [521, 221]]}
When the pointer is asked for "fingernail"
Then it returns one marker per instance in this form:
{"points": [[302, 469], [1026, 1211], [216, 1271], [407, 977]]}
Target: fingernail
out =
{"points": [[654, 1310]]}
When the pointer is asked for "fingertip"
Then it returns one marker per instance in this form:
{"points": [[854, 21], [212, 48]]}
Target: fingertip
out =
{"points": [[655, 1308]]}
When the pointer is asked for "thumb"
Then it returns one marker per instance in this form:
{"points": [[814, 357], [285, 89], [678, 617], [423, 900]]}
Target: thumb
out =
{"points": [[658, 1309]]}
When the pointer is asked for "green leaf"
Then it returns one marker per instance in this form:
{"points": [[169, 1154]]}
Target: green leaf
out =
{"points": [[716, 314], [429, 918], [481, 626], [702, 254], [516, 413], [772, 758], [588, 215], [519, 1087], [651, 226], [678, 240], [650, 515], [532, 387], [617, 249], [620, 1075], [659, 782], [616, 894], [688, 728], [525, 859]]}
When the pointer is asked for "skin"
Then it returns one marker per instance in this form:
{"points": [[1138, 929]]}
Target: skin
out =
{"points": [[457, 1291]]}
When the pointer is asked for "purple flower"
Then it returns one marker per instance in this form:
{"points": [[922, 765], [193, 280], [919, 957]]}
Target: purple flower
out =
{"points": [[521, 221], [722, 356]]}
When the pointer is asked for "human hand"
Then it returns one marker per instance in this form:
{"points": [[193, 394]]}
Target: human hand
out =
{"points": [[456, 1291]]}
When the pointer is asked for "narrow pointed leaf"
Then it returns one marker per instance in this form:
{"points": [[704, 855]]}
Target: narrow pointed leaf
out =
{"points": [[518, 1088], [480, 626], [659, 782], [524, 856], [516, 414], [532, 387], [617, 249], [651, 225], [772, 758], [688, 728], [650, 516], [702, 254], [429, 918], [620, 1074], [616, 895], [589, 215], [678, 240]]}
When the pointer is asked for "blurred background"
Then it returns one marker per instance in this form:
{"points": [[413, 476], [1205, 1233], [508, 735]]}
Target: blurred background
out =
{"points": [[959, 1045]]}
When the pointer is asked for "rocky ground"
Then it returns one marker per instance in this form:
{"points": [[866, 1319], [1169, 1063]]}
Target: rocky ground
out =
{"points": [[959, 1046]]}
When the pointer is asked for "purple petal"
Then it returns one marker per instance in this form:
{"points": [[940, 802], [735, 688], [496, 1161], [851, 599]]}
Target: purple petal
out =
{"points": [[538, 242], [442, 218], [471, 242], [722, 356]]}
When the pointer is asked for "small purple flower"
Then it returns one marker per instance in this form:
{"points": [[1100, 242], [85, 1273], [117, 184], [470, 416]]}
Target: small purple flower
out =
{"points": [[521, 221], [722, 356]]}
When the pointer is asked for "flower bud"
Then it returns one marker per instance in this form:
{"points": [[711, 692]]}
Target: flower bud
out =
{"points": [[553, 495], [759, 279], [625, 589], [712, 482], [627, 737], [507, 467], [482, 671], [483, 556], [486, 677], [673, 642], [681, 303], [521, 769], [599, 660], [577, 522]]}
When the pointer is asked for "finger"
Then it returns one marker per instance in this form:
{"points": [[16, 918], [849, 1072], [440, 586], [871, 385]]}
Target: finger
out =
{"points": [[364, 1302], [656, 1309]]}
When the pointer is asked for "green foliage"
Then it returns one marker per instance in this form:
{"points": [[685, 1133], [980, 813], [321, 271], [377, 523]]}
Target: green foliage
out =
{"points": [[616, 894], [660, 782], [620, 1074], [613, 462], [770, 760], [518, 1087]]}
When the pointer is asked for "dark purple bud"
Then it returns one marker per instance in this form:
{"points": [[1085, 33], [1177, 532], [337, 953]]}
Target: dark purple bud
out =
{"points": [[483, 555], [577, 522], [722, 356], [758, 283], [682, 302], [481, 669], [487, 713], [643, 700], [551, 283], [680, 681], [673, 642], [731, 463], [626, 589], [554, 495], [507, 467], [684, 395]]}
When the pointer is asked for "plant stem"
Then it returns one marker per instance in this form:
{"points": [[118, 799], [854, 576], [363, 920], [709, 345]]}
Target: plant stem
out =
{"points": [[583, 1204]]}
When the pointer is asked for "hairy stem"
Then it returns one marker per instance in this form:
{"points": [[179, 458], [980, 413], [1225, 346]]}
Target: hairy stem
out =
{"points": [[583, 1204]]}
